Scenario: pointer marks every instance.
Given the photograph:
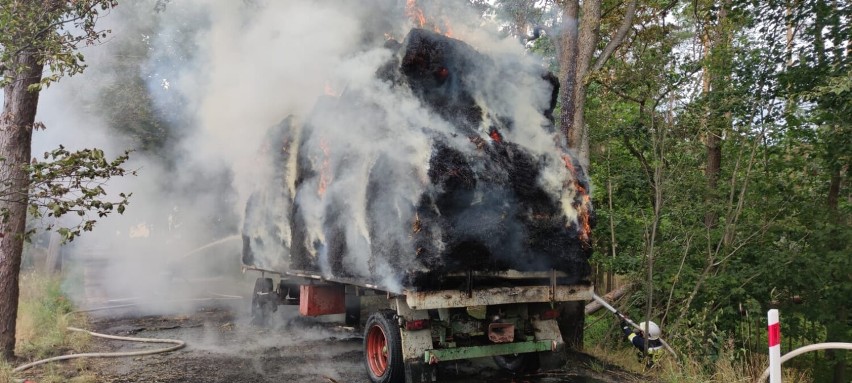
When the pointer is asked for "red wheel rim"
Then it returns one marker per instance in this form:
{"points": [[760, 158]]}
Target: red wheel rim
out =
{"points": [[377, 350]]}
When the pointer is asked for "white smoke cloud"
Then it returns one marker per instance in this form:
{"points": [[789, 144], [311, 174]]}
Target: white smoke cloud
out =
{"points": [[222, 73]]}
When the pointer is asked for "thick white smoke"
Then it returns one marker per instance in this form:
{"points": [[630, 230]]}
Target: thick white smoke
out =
{"points": [[222, 74]]}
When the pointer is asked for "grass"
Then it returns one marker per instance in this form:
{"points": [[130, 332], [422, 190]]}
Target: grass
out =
{"points": [[42, 319], [596, 366], [726, 369], [729, 367], [691, 369], [5, 372], [42, 331]]}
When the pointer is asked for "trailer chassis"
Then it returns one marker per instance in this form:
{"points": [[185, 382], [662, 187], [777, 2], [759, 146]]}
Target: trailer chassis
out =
{"points": [[414, 331]]}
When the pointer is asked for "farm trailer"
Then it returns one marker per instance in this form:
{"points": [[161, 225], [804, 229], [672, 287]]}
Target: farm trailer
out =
{"points": [[436, 187], [508, 315]]}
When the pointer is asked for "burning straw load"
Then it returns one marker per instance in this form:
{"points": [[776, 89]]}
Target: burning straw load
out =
{"points": [[410, 177]]}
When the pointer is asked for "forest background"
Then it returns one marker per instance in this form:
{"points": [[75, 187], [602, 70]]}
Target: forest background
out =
{"points": [[717, 136]]}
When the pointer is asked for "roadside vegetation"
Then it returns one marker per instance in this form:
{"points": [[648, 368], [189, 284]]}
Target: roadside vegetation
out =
{"points": [[43, 318], [729, 365], [719, 144]]}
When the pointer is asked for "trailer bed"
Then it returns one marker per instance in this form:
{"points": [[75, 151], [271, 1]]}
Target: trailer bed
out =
{"points": [[477, 289]]}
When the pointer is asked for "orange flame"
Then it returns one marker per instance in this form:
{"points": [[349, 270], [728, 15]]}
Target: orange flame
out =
{"points": [[415, 13], [583, 215], [448, 30]]}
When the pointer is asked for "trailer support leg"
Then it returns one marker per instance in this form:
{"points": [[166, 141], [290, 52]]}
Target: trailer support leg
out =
{"points": [[352, 303], [418, 372], [549, 329]]}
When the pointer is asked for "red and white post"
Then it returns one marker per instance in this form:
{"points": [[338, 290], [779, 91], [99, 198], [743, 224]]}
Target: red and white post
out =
{"points": [[774, 347]]}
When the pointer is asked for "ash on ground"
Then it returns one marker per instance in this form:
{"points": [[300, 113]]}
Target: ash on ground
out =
{"points": [[223, 346]]}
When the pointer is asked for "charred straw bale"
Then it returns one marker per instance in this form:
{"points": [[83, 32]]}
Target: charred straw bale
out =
{"points": [[482, 205]]}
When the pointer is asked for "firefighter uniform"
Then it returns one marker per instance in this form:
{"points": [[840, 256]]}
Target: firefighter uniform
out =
{"points": [[637, 338]]}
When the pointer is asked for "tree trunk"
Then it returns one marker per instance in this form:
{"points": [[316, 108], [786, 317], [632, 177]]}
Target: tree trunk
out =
{"points": [[16, 123], [577, 48], [568, 70], [577, 45], [717, 71], [587, 42], [714, 168]]}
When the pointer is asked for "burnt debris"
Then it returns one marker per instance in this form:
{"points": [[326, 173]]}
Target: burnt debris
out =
{"points": [[483, 206]]}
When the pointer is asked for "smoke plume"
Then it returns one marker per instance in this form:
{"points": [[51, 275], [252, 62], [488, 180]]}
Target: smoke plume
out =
{"points": [[213, 94]]}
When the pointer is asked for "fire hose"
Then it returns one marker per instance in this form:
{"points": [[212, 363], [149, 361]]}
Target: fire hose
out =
{"points": [[626, 319], [804, 349], [178, 344]]}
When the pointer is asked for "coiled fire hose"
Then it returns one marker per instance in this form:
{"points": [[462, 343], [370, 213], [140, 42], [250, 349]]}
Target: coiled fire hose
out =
{"points": [[178, 344]]}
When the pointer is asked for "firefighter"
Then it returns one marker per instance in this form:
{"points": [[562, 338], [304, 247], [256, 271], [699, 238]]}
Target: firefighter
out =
{"points": [[638, 339]]}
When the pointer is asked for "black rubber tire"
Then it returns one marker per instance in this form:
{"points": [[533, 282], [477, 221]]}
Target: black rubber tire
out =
{"points": [[517, 363], [262, 302], [394, 371]]}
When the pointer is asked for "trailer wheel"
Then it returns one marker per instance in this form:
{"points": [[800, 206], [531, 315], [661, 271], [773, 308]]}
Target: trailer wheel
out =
{"points": [[383, 348], [263, 301], [517, 363]]}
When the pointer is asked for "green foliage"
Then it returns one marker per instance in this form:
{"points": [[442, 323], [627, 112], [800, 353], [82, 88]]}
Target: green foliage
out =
{"points": [[43, 319], [782, 236], [53, 30], [780, 232], [70, 183], [132, 93]]}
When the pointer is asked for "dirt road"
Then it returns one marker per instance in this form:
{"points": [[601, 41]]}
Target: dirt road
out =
{"points": [[223, 346]]}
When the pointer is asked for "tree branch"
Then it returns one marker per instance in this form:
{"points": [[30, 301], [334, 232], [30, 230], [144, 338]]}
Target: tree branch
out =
{"points": [[677, 277], [619, 93], [619, 36]]}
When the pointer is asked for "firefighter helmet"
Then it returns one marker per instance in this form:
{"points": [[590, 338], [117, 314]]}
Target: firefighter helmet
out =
{"points": [[653, 330]]}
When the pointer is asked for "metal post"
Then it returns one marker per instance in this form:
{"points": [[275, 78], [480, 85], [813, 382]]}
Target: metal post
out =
{"points": [[774, 347]]}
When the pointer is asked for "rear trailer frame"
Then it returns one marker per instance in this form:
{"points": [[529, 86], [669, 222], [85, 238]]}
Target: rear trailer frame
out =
{"points": [[508, 315]]}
